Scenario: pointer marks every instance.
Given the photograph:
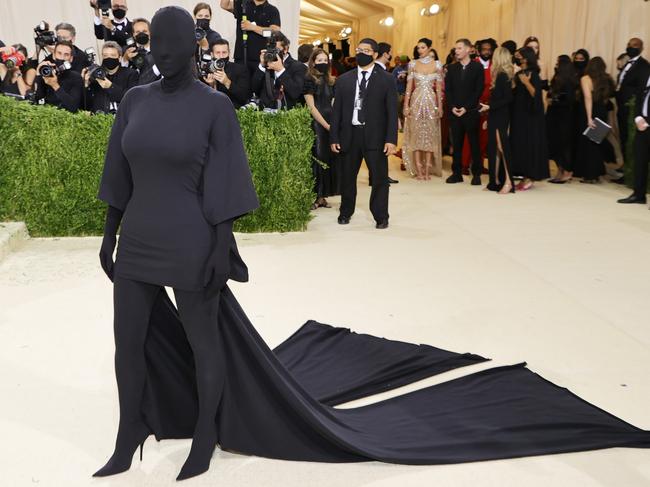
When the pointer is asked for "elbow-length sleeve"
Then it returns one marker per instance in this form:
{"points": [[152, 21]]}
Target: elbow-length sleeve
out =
{"points": [[228, 190], [116, 184]]}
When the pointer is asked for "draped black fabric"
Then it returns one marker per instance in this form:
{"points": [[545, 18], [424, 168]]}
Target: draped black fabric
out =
{"points": [[267, 408]]}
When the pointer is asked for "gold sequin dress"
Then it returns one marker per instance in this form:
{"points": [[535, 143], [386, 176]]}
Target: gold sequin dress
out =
{"points": [[422, 125]]}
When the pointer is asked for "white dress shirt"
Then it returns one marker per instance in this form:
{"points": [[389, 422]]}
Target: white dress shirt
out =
{"points": [[627, 67], [644, 107], [355, 112]]}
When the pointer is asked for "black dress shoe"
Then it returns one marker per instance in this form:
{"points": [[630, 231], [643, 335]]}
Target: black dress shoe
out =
{"points": [[392, 181], [382, 224], [493, 187], [633, 199], [344, 220], [476, 181], [620, 180], [454, 178]]}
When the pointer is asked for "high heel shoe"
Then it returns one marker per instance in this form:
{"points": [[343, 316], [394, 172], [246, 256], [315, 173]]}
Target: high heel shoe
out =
{"points": [[198, 461], [506, 189], [122, 457]]}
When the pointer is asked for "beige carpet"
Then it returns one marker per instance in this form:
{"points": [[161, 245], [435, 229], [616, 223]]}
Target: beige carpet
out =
{"points": [[557, 276]]}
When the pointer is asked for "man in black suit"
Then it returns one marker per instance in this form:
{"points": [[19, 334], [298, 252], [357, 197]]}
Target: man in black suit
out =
{"points": [[117, 29], [232, 80], [384, 57], [463, 87], [631, 80], [279, 83], [641, 146], [364, 126]]}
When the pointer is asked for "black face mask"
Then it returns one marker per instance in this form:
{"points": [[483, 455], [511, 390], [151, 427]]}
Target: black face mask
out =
{"points": [[486, 57], [633, 51], [110, 63], [322, 68], [203, 23], [172, 45], [580, 64], [364, 59], [119, 13], [58, 62], [142, 38], [390, 57]]}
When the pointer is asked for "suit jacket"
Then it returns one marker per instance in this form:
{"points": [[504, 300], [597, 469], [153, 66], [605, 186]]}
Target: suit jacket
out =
{"points": [[464, 90], [633, 82], [292, 82], [240, 87], [380, 109], [641, 101]]}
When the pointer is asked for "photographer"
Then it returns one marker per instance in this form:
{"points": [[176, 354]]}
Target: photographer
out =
{"points": [[279, 79], [106, 86], [259, 15], [138, 56], [56, 83], [16, 77], [202, 17], [233, 79], [67, 32], [117, 29]]}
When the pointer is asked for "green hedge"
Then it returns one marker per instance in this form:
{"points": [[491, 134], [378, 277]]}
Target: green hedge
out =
{"points": [[51, 163]]}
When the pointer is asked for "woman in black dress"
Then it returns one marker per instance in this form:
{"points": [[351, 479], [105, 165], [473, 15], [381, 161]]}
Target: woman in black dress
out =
{"points": [[560, 118], [528, 125], [175, 176], [597, 87], [498, 149], [177, 172], [319, 94]]}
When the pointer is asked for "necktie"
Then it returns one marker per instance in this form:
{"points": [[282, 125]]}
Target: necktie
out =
{"points": [[362, 92]]}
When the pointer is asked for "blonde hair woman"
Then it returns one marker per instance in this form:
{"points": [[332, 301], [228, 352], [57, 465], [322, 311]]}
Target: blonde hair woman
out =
{"points": [[498, 148]]}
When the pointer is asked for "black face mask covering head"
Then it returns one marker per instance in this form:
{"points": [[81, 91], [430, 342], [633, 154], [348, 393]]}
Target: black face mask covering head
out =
{"points": [[173, 45]]}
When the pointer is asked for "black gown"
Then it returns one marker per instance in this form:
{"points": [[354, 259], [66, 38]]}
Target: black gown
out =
{"points": [[327, 179], [528, 131], [499, 122], [279, 403], [590, 156], [560, 125]]}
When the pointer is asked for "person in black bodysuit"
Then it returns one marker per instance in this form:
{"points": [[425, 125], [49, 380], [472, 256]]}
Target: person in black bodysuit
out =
{"points": [[176, 184]]}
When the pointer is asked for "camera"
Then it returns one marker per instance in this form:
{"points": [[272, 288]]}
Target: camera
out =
{"points": [[140, 56], [47, 70], [104, 6], [14, 59], [199, 34], [43, 35], [208, 65], [95, 71], [272, 52]]}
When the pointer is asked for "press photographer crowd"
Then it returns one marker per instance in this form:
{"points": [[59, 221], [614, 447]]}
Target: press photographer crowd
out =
{"points": [[484, 102]]}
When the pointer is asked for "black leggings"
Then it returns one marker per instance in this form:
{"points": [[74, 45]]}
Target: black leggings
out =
{"points": [[133, 301]]}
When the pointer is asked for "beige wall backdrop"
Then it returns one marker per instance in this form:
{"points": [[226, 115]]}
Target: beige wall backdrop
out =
{"points": [[19, 17], [603, 27]]}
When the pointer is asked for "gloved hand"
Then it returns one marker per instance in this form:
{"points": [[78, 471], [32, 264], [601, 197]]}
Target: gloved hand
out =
{"points": [[217, 268], [113, 219]]}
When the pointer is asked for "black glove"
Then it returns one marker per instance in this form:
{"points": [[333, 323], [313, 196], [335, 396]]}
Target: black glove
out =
{"points": [[217, 269], [113, 219]]}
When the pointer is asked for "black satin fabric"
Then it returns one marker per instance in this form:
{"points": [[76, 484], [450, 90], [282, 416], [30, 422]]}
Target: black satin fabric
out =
{"points": [[268, 410]]}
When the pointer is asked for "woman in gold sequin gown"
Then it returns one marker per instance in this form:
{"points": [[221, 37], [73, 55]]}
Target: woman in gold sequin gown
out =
{"points": [[422, 147]]}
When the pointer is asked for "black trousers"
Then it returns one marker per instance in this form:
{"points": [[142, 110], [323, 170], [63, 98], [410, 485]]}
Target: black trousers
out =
{"points": [[133, 301], [641, 161], [377, 163], [467, 124], [622, 116]]}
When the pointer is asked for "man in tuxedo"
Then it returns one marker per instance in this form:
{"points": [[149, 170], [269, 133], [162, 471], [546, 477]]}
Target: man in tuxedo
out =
{"points": [[139, 57], [464, 86], [641, 146], [384, 57], [117, 29], [364, 126], [630, 82], [233, 79], [279, 83]]}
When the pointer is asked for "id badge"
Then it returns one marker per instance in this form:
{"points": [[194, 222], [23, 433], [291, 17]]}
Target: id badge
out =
{"points": [[358, 104]]}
